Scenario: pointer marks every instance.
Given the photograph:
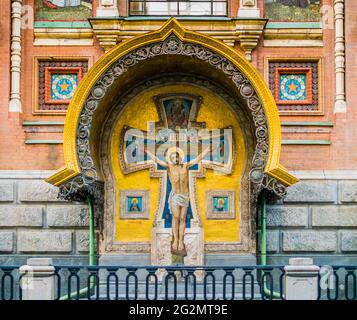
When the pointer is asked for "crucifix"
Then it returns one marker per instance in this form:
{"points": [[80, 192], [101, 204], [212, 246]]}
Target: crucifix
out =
{"points": [[174, 147]]}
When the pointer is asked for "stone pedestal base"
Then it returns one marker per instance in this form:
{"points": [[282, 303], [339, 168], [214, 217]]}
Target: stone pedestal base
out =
{"points": [[38, 279], [161, 247]]}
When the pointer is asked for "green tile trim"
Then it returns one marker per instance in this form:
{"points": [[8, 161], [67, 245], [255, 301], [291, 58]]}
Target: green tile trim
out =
{"points": [[63, 24], [44, 142], [306, 142], [43, 123], [294, 25], [308, 124]]}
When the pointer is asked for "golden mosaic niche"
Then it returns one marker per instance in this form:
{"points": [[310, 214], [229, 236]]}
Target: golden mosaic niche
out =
{"points": [[273, 168], [214, 117]]}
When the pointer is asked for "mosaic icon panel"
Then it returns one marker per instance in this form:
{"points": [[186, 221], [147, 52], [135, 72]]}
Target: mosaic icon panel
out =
{"points": [[57, 83], [295, 85]]}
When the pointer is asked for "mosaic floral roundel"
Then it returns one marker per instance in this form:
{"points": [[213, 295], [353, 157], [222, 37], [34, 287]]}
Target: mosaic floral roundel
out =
{"points": [[293, 87], [63, 86]]}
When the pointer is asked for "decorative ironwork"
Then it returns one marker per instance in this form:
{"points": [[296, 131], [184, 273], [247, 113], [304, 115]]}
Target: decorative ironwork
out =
{"points": [[190, 282], [169, 282]]}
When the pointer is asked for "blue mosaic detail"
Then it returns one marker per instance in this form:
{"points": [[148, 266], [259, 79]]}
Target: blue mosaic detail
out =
{"points": [[63, 86], [293, 87], [220, 204], [135, 204]]}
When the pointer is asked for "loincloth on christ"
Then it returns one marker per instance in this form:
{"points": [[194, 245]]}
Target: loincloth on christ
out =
{"points": [[178, 199]]}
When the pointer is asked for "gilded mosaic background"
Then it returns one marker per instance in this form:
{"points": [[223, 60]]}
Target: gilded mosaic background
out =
{"points": [[61, 10], [292, 10]]}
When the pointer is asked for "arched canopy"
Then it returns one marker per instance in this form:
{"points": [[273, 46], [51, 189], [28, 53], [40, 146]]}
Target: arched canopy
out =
{"points": [[84, 113]]}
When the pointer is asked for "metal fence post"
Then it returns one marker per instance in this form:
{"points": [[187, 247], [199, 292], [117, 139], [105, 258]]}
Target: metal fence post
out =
{"points": [[38, 280], [301, 279]]}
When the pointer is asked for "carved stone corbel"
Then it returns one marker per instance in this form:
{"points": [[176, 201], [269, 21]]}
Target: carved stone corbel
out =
{"points": [[110, 32], [249, 31], [107, 31]]}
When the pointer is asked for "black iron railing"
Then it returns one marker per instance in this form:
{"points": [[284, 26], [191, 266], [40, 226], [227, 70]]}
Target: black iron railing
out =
{"points": [[9, 283], [179, 283], [178, 8], [338, 283], [169, 283]]}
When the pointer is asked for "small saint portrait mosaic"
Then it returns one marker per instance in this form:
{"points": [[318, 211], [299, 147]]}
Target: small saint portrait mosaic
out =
{"points": [[220, 204], [134, 204]]}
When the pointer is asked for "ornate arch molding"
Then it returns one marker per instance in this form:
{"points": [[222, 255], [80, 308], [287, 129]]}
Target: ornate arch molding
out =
{"points": [[80, 175]]}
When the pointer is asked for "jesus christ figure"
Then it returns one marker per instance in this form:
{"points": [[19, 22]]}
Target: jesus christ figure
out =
{"points": [[178, 173]]}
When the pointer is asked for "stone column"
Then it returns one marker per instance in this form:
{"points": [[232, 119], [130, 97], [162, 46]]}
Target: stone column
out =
{"points": [[248, 9], [108, 8], [340, 103], [15, 99], [38, 280], [301, 279]]}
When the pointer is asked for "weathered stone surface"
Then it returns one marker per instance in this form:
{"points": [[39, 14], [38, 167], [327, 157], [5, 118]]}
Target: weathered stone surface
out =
{"points": [[37, 190], [67, 216], [348, 191], [334, 216], [82, 241], [349, 241], [312, 191], [307, 241], [287, 216], [40, 262], [44, 241], [20, 216], [6, 191], [272, 241], [6, 241]]}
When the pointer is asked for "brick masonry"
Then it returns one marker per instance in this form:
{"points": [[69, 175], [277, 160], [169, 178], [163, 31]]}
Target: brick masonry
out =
{"points": [[33, 221], [317, 217]]}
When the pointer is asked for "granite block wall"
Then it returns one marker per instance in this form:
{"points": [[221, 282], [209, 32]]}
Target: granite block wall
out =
{"points": [[318, 218], [34, 222]]}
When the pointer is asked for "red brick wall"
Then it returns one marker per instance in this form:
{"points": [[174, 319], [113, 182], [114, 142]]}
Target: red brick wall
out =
{"points": [[342, 154]]}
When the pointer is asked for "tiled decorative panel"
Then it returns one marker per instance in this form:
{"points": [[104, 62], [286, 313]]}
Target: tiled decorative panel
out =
{"points": [[57, 82], [295, 85]]}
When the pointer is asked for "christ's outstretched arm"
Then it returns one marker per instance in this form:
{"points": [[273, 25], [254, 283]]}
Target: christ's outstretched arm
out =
{"points": [[156, 159], [201, 155]]}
